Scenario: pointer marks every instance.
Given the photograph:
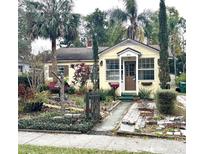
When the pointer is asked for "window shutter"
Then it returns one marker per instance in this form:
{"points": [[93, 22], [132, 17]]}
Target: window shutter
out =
{"points": [[50, 70], [65, 70]]}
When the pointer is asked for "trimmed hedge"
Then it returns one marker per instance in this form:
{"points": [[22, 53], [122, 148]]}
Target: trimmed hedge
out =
{"points": [[64, 124], [166, 101]]}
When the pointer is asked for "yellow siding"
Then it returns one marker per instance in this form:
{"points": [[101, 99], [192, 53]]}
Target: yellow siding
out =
{"points": [[112, 54], [71, 72]]}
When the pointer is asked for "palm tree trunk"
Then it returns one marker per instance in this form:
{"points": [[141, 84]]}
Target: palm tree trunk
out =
{"points": [[54, 58]]}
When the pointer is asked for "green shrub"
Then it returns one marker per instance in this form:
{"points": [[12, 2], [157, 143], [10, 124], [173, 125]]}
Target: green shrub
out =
{"points": [[144, 93], [103, 94], [109, 99], [106, 93], [43, 87], [23, 79], [33, 106], [111, 92], [41, 97], [166, 101], [82, 90], [180, 78], [71, 90]]}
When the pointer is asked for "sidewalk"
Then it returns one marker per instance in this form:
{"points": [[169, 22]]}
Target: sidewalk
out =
{"points": [[132, 144]]}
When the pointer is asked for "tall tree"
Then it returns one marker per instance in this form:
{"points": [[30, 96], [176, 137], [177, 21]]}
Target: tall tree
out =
{"points": [[130, 14], [164, 76], [96, 25], [50, 19], [24, 42], [176, 28], [95, 74], [150, 23], [72, 37], [116, 32]]}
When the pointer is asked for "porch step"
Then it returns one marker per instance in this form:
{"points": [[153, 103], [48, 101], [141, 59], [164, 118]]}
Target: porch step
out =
{"points": [[126, 98], [129, 94]]}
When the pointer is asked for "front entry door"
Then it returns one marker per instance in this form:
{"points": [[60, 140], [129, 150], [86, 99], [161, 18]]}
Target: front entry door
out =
{"points": [[130, 74]]}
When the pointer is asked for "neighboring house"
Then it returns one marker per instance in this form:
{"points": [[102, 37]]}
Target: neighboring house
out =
{"points": [[23, 66], [131, 64]]}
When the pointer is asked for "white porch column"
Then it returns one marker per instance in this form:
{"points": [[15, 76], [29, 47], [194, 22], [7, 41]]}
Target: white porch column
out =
{"points": [[120, 75], [136, 75]]}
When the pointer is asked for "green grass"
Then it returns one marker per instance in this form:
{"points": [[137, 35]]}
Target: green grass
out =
{"points": [[30, 149]]}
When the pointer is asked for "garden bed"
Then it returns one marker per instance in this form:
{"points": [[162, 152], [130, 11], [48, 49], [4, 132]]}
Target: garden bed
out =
{"points": [[57, 121], [143, 119]]}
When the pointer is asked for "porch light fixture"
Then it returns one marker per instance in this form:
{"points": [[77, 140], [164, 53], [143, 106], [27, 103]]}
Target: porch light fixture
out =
{"points": [[101, 63]]}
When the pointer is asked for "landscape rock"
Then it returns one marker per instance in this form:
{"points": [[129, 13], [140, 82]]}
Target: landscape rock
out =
{"points": [[69, 115], [177, 133], [183, 132], [58, 117], [169, 133], [151, 122]]}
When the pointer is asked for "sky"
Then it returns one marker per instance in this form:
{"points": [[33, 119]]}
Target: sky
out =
{"points": [[85, 7]]}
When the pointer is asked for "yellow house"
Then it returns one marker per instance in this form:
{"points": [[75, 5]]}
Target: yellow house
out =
{"points": [[130, 64]]}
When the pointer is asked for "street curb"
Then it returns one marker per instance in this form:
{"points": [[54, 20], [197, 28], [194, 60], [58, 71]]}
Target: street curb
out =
{"points": [[49, 131], [122, 133]]}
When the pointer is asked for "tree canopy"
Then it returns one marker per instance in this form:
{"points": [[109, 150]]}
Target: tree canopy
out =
{"points": [[163, 42], [51, 19]]}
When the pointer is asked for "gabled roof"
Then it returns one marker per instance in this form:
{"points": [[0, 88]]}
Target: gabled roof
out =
{"points": [[121, 52], [75, 53], [155, 48], [130, 41]]}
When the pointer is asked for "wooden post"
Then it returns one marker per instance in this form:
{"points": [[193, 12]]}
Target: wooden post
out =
{"points": [[61, 80], [61, 88]]}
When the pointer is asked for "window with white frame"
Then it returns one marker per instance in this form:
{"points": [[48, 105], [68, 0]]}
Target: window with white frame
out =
{"points": [[146, 69], [61, 70], [112, 69]]}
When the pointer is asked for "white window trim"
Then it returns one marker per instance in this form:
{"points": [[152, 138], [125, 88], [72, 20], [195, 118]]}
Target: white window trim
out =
{"points": [[117, 70], [148, 69]]}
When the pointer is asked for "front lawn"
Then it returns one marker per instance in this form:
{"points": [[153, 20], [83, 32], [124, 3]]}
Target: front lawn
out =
{"points": [[25, 149]]}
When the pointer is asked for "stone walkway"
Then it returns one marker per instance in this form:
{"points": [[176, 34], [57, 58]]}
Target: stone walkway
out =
{"points": [[132, 144], [110, 122]]}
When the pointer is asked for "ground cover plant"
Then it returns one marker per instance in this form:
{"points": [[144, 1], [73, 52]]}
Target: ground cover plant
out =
{"points": [[57, 121]]}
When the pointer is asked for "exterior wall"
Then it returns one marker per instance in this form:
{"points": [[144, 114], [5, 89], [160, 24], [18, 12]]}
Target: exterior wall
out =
{"points": [[112, 54], [71, 72]]}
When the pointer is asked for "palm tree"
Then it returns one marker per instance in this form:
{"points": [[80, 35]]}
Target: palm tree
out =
{"points": [[50, 19], [130, 14]]}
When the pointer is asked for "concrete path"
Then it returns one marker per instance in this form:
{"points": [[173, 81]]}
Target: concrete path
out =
{"points": [[110, 122], [132, 144], [182, 99]]}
